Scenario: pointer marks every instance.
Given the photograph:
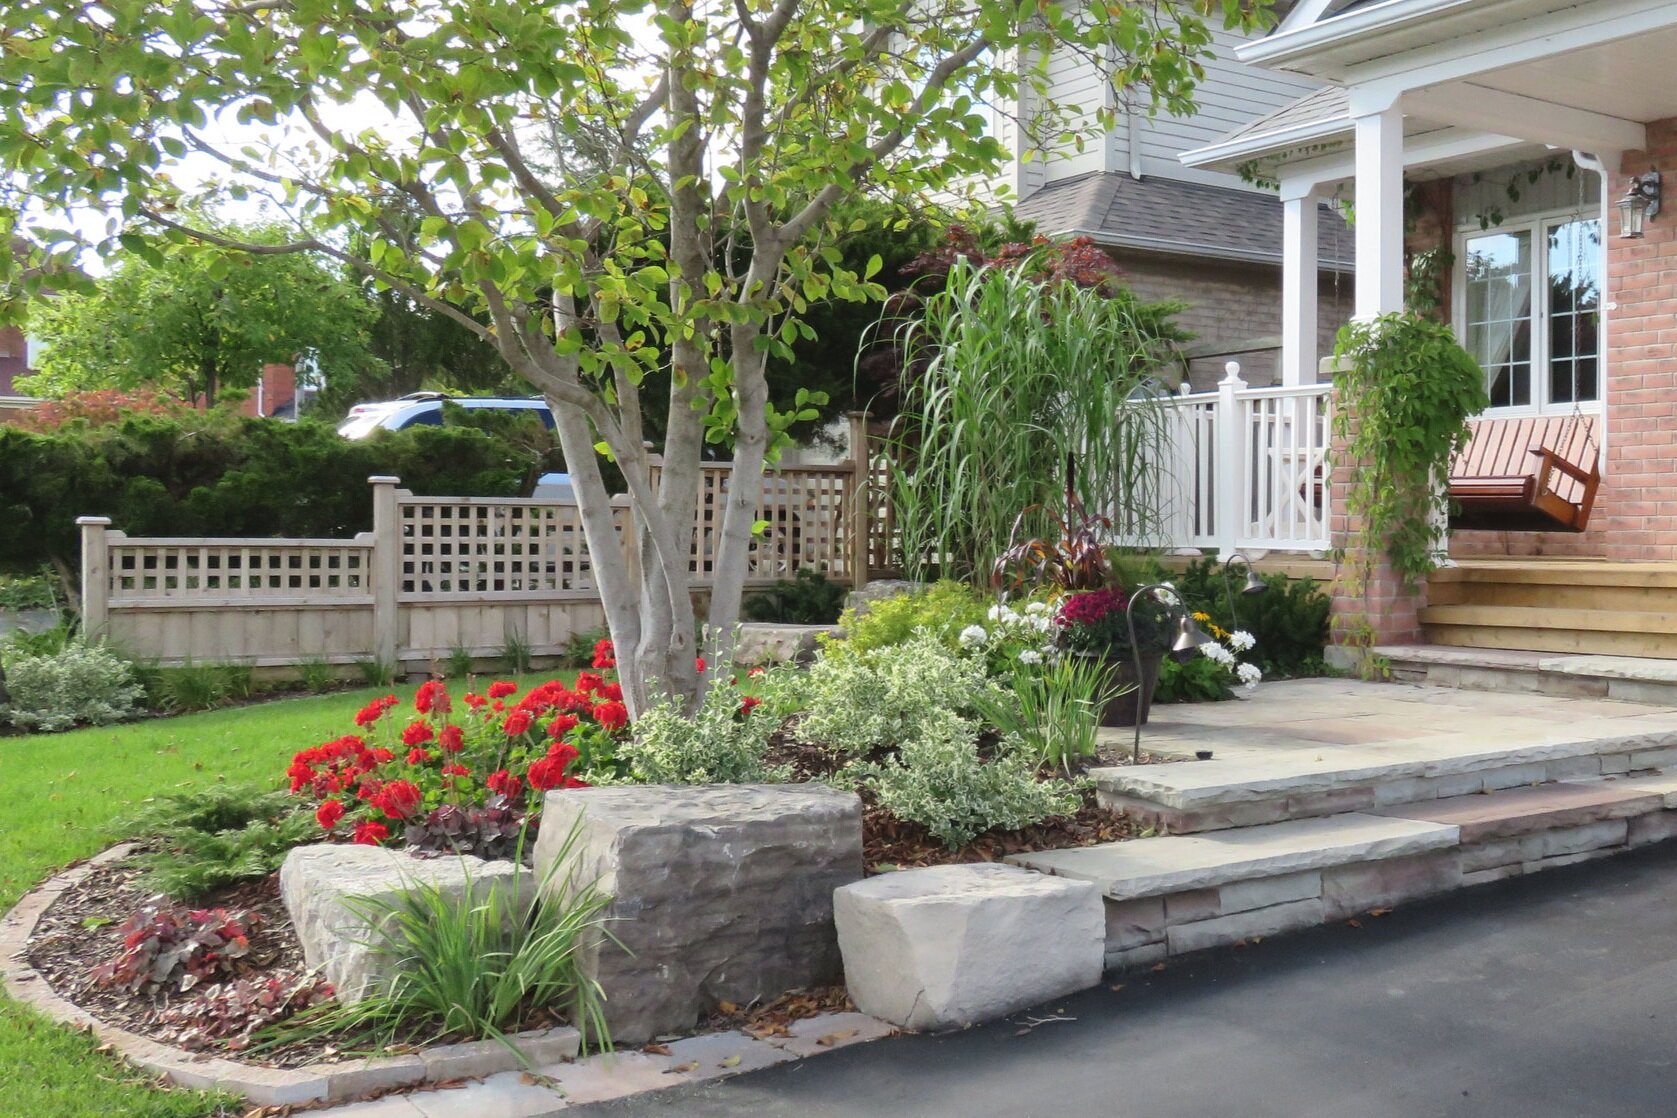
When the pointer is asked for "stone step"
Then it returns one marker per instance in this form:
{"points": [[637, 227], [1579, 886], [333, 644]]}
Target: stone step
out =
{"points": [[1522, 811], [1179, 893], [1180, 863], [1196, 796], [1636, 679]]}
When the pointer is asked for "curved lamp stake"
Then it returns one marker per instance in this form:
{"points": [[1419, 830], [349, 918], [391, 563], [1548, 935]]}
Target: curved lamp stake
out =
{"points": [[1189, 637], [1254, 584]]}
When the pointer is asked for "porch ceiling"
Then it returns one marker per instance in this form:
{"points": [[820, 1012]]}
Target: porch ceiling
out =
{"points": [[1628, 78]]}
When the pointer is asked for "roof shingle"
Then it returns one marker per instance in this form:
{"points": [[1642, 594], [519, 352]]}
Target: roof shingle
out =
{"points": [[1182, 218]]}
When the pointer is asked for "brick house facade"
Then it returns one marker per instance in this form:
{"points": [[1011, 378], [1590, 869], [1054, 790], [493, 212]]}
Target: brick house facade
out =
{"points": [[14, 359]]}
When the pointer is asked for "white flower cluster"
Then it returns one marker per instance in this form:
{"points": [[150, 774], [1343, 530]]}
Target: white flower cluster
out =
{"points": [[1036, 617], [1249, 675], [974, 636], [1214, 651]]}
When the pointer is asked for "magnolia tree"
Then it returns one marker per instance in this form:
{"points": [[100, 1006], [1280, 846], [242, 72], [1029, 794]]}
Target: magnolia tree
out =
{"points": [[604, 188]]}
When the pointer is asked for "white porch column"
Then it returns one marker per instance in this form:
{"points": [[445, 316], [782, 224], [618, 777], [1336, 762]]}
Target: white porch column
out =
{"points": [[1379, 210], [1300, 271]]}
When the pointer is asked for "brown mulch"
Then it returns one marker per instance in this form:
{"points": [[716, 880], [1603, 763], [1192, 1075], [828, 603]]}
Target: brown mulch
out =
{"points": [[84, 927]]}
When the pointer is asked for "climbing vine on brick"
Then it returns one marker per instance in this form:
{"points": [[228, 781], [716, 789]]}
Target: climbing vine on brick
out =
{"points": [[1406, 391]]}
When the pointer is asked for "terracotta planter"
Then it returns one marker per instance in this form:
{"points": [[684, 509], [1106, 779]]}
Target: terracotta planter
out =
{"points": [[1137, 700]]}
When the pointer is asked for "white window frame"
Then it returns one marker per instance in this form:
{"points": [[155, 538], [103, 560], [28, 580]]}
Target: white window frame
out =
{"points": [[1535, 225]]}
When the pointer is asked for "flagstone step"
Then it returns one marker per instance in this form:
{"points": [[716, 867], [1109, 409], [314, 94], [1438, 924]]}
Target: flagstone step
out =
{"points": [[1173, 894], [1196, 796], [1523, 811], [1179, 863], [1637, 679]]}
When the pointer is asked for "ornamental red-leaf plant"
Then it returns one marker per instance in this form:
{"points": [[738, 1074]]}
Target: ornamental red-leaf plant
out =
{"points": [[464, 775]]}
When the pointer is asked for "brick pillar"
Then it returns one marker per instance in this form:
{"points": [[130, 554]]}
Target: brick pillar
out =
{"points": [[1390, 610], [1637, 506]]}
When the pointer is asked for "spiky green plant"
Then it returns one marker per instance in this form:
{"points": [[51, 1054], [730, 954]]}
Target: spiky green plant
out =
{"points": [[1053, 710], [1009, 378], [475, 964]]}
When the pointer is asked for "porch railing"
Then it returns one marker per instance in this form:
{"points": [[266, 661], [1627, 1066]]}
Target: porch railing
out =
{"points": [[1247, 468]]}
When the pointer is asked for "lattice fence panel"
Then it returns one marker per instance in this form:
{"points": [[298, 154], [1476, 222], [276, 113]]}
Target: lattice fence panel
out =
{"points": [[469, 546], [238, 569]]}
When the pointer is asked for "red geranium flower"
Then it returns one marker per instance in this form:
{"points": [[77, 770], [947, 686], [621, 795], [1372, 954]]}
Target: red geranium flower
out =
{"points": [[561, 725], [549, 772], [504, 783], [456, 770], [588, 683], [371, 834], [474, 700], [699, 663], [417, 733], [328, 814], [517, 723], [611, 692], [605, 656], [501, 688], [612, 716], [369, 714], [452, 739], [420, 756], [398, 799], [432, 696], [748, 703]]}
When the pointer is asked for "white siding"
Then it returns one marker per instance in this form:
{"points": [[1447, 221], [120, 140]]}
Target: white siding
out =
{"points": [[1231, 94], [1079, 87]]}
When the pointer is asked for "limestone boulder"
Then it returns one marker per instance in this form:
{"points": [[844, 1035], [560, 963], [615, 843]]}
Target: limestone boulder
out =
{"points": [[719, 892], [951, 946], [326, 886], [763, 643]]}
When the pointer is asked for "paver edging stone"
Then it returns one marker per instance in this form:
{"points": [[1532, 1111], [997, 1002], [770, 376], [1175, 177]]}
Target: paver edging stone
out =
{"points": [[263, 1086]]}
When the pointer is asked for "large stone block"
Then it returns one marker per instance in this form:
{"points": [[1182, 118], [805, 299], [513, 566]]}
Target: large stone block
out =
{"points": [[719, 892], [326, 888], [951, 946], [1223, 930], [1348, 890], [780, 644]]}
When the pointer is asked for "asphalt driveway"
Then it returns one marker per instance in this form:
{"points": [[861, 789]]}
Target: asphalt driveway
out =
{"points": [[1552, 995]]}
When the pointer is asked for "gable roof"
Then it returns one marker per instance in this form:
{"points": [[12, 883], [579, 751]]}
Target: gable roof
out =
{"points": [[1179, 218]]}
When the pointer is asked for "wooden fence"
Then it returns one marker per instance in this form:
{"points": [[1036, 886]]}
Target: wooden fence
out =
{"points": [[435, 574]]}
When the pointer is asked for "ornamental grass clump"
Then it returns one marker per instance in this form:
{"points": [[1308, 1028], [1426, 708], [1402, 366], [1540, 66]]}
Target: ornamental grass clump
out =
{"points": [[477, 964]]}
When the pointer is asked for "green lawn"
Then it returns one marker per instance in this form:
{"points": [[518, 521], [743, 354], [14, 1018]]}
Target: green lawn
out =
{"points": [[59, 797]]}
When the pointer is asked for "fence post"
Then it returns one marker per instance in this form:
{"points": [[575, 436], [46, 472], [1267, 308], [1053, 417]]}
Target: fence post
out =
{"points": [[1230, 511], [861, 508], [96, 576], [385, 575]]}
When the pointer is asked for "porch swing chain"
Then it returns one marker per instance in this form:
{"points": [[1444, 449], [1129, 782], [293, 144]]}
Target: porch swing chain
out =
{"points": [[1577, 415]]}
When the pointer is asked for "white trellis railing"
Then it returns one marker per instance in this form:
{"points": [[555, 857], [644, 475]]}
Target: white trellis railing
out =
{"points": [[1247, 468]]}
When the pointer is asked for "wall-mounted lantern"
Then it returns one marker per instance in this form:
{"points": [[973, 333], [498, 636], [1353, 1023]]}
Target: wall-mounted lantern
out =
{"points": [[1641, 201]]}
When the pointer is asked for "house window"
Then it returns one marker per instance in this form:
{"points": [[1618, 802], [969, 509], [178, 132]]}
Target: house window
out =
{"points": [[1530, 311]]}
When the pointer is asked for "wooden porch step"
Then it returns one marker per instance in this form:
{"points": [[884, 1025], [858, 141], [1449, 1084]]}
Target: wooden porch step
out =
{"points": [[1577, 606]]}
